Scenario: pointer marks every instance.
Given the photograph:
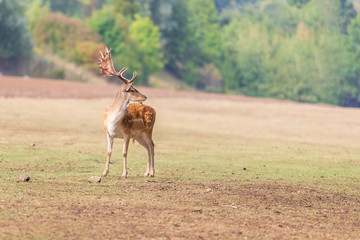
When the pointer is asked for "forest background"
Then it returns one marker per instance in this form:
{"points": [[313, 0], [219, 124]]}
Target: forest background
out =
{"points": [[301, 50]]}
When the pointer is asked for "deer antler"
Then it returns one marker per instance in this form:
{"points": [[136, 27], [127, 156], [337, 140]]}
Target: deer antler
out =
{"points": [[107, 67], [125, 79]]}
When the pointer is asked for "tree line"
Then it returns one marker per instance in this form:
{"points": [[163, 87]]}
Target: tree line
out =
{"points": [[302, 50]]}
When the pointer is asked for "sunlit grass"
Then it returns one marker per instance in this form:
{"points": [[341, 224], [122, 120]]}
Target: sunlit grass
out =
{"points": [[214, 138], [199, 144]]}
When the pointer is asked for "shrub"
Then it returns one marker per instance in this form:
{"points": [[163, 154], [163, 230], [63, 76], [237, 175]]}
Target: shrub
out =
{"points": [[87, 53], [58, 73], [60, 33]]}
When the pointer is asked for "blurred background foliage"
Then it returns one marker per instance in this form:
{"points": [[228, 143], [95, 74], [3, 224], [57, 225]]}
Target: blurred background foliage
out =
{"points": [[302, 50]]}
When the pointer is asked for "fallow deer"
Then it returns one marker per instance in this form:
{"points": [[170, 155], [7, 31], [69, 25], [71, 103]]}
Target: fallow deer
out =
{"points": [[127, 117]]}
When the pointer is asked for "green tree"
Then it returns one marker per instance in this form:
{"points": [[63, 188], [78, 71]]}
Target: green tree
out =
{"points": [[127, 8], [347, 13], [245, 52], [204, 24], [298, 3], [190, 74], [15, 40], [263, 57], [145, 37], [111, 27], [135, 44], [68, 7], [349, 87], [180, 47], [193, 40]]}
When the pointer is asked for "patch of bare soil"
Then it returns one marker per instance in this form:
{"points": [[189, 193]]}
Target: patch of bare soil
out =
{"points": [[46, 88], [167, 209]]}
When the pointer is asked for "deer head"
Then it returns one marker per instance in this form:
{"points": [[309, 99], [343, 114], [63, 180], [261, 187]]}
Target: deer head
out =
{"points": [[127, 90]]}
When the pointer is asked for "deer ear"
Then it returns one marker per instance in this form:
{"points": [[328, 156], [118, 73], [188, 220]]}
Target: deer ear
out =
{"points": [[128, 88]]}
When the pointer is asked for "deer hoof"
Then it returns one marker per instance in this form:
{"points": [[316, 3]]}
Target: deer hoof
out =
{"points": [[146, 174], [124, 175], [104, 174]]}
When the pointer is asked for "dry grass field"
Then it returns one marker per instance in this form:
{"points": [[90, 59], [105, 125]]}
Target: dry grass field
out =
{"points": [[226, 168]]}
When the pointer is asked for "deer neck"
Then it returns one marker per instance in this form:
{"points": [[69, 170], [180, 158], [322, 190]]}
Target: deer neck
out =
{"points": [[119, 107]]}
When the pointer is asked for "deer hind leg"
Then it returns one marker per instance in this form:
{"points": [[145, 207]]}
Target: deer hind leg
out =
{"points": [[125, 149], [150, 144], [143, 143], [152, 165], [110, 141]]}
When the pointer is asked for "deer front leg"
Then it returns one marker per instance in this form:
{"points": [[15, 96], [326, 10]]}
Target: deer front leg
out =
{"points": [[125, 149], [110, 141]]}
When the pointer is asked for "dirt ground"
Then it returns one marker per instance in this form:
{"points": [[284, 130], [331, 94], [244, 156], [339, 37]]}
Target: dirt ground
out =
{"points": [[170, 210], [262, 169]]}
